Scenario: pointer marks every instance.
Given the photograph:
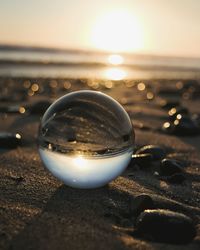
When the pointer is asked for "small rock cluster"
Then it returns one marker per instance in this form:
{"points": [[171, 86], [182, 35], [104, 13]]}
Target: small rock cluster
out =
{"points": [[181, 122], [153, 223], [169, 170]]}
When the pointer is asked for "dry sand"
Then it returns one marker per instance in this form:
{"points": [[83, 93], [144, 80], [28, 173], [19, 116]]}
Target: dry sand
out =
{"points": [[38, 212]]}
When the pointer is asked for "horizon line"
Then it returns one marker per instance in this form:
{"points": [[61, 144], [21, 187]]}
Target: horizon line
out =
{"points": [[46, 49]]}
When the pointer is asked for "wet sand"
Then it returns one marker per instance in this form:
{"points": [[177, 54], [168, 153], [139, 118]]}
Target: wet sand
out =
{"points": [[38, 212]]}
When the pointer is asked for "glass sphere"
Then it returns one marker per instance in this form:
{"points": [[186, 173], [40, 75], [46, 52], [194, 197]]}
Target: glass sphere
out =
{"points": [[86, 139]]}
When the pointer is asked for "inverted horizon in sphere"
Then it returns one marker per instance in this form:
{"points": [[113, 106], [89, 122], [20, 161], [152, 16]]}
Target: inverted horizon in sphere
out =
{"points": [[86, 139], [83, 172]]}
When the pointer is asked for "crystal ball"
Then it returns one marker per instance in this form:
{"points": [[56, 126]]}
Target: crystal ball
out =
{"points": [[86, 139]]}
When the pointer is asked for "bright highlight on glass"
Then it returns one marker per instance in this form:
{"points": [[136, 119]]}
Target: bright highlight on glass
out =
{"points": [[86, 139]]}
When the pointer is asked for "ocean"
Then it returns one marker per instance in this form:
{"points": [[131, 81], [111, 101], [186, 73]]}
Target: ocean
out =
{"points": [[55, 63]]}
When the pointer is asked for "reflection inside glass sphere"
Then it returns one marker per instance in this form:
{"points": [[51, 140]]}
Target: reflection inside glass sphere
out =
{"points": [[86, 139]]}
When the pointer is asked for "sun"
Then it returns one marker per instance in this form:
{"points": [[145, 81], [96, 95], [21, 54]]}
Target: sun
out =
{"points": [[117, 31]]}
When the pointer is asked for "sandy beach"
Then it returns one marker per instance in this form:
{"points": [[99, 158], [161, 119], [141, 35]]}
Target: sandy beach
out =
{"points": [[37, 211]]}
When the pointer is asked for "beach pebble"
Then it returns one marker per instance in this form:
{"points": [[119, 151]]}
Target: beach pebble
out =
{"points": [[182, 126], [190, 83], [17, 179], [186, 126], [178, 178], [196, 119], [180, 158], [156, 151], [169, 167], [142, 160], [9, 140], [141, 203], [165, 226], [173, 112], [12, 109], [192, 88]]}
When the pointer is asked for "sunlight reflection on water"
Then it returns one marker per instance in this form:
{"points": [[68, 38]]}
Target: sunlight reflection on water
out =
{"points": [[115, 74], [115, 59]]}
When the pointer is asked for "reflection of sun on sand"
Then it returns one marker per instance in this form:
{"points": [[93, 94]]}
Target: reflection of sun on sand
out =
{"points": [[117, 31]]}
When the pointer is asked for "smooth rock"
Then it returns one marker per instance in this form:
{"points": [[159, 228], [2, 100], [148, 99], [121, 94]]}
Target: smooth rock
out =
{"points": [[178, 178], [173, 112], [17, 179], [156, 151], [141, 203], [196, 119], [142, 160], [190, 83], [13, 109], [165, 226], [184, 126], [169, 167], [180, 158], [9, 140]]}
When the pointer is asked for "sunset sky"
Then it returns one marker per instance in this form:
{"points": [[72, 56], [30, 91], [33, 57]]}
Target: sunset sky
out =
{"points": [[142, 26]]}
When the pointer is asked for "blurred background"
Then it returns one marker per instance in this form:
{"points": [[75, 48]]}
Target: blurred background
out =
{"points": [[112, 39]]}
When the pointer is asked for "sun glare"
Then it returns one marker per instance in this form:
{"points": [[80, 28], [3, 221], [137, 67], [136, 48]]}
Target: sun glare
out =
{"points": [[117, 31], [115, 59]]}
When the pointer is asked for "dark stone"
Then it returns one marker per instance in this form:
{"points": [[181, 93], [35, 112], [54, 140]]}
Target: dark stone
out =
{"points": [[142, 160], [38, 108], [191, 89], [176, 178], [9, 140], [190, 83], [165, 226], [187, 125], [13, 109], [141, 203], [173, 112], [17, 179], [184, 126], [196, 119], [169, 167], [157, 152], [180, 158]]}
